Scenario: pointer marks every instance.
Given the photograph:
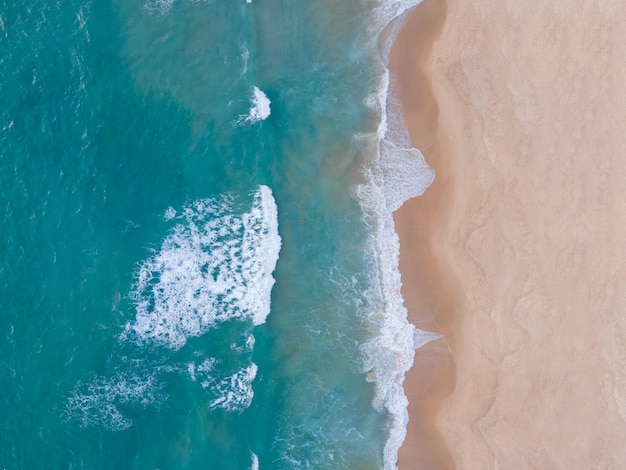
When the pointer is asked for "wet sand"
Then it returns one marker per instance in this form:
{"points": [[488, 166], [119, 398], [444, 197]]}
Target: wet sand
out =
{"points": [[517, 252]]}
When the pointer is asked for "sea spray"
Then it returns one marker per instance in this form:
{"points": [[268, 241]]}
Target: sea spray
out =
{"points": [[397, 173]]}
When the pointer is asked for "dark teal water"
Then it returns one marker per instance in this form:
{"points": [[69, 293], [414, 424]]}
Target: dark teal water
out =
{"points": [[188, 279]]}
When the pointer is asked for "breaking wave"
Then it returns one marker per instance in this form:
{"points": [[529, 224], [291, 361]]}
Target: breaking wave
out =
{"points": [[260, 109], [214, 266]]}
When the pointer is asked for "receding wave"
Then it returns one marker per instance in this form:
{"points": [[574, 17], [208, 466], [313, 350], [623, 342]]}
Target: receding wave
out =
{"points": [[397, 173], [215, 265]]}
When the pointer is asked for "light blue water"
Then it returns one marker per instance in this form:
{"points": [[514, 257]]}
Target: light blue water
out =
{"points": [[197, 261]]}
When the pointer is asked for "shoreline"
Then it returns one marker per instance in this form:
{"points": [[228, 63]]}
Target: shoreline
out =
{"points": [[520, 243], [430, 299]]}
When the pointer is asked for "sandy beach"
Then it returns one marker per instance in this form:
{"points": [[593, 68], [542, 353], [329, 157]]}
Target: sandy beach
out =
{"points": [[517, 252]]}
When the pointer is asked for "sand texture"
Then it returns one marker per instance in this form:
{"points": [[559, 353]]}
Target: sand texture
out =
{"points": [[518, 254]]}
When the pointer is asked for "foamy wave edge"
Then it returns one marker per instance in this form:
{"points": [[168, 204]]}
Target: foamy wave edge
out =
{"points": [[215, 265], [397, 173], [260, 110]]}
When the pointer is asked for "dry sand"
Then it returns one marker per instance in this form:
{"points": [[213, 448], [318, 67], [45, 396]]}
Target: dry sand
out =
{"points": [[517, 253]]}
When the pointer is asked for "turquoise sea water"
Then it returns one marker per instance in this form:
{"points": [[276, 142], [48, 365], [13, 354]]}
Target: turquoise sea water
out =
{"points": [[197, 263]]}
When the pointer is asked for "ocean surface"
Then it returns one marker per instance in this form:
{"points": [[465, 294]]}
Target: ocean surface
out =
{"points": [[198, 267]]}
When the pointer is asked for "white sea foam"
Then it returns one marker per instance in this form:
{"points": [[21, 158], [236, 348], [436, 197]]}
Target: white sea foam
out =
{"points": [[389, 355], [386, 12], [164, 6], [246, 344], [170, 213], [255, 462], [231, 392], [235, 393], [202, 371], [245, 56], [405, 173], [398, 173], [215, 265], [159, 6], [387, 19], [260, 109], [95, 403], [191, 369]]}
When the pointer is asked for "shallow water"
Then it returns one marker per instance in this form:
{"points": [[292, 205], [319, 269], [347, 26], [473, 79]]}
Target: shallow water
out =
{"points": [[193, 254]]}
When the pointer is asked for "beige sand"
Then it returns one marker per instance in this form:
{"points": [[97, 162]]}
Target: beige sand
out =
{"points": [[518, 251]]}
